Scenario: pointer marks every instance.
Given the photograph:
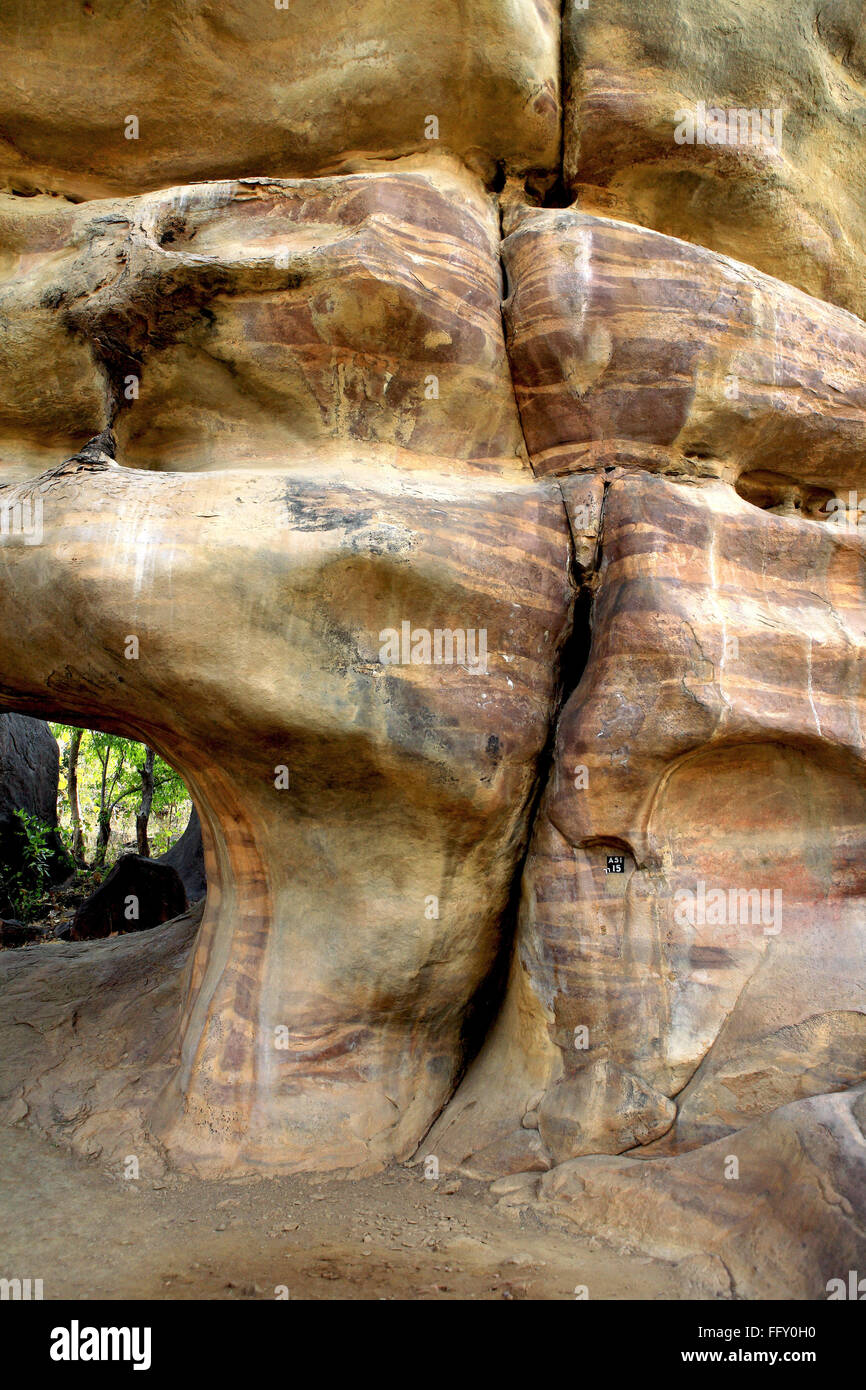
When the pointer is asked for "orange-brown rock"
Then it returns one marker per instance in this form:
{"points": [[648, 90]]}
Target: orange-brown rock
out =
{"points": [[363, 819], [493, 571], [694, 876], [632, 348], [739, 126], [281, 88], [240, 324]]}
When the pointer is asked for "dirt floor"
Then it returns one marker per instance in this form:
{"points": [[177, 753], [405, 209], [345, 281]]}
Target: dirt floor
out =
{"points": [[88, 1234]]}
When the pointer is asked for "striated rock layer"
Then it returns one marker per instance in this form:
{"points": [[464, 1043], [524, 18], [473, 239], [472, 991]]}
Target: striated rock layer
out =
{"points": [[691, 923], [241, 324]]}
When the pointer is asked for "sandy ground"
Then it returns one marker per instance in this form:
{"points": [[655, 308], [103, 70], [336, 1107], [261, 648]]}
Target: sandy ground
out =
{"points": [[89, 1234]]}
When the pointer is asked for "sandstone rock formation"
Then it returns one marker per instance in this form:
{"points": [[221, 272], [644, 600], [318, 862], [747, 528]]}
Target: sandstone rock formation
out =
{"points": [[186, 857], [777, 1206], [491, 569], [787, 193], [437, 762], [280, 89], [714, 742], [78, 1053]]}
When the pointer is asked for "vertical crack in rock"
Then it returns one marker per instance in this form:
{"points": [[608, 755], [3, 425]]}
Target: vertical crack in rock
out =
{"points": [[623, 982], [582, 502], [571, 660]]}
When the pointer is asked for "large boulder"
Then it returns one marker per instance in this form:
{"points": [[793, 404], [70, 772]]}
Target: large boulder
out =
{"points": [[602, 1109], [774, 1211], [186, 857], [136, 895]]}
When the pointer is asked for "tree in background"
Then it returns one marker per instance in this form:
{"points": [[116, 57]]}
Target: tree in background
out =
{"points": [[112, 784], [148, 786], [69, 757]]}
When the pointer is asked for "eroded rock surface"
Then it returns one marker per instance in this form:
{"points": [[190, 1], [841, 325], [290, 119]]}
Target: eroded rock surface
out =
{"points": [[295, 88], [694, 877], [792, 72], [773, 1209], [421, 768], [87, 1033], [249, 323], [599, 890]]}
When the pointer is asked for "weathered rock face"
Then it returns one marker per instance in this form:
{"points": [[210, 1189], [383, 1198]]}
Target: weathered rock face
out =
{"points": [[247, 324], [692, 905], [598, 888], [186, 857], [418, 754], [101, 1016], [286, 89], [773, 1207], [602, 1109], [377, 505], [736, 125], [640, 350]]}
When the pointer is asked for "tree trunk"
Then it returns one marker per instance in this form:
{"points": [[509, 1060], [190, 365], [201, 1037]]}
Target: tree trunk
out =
{"points": [[103, 837], [104, 816], [141, 820], [72, 795]]}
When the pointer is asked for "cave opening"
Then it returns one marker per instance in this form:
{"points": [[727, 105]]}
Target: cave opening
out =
{"points": [[99, 834]]}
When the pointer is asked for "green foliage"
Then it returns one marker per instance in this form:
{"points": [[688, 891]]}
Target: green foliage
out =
{"points": [[25, 885], [109, 791]]}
